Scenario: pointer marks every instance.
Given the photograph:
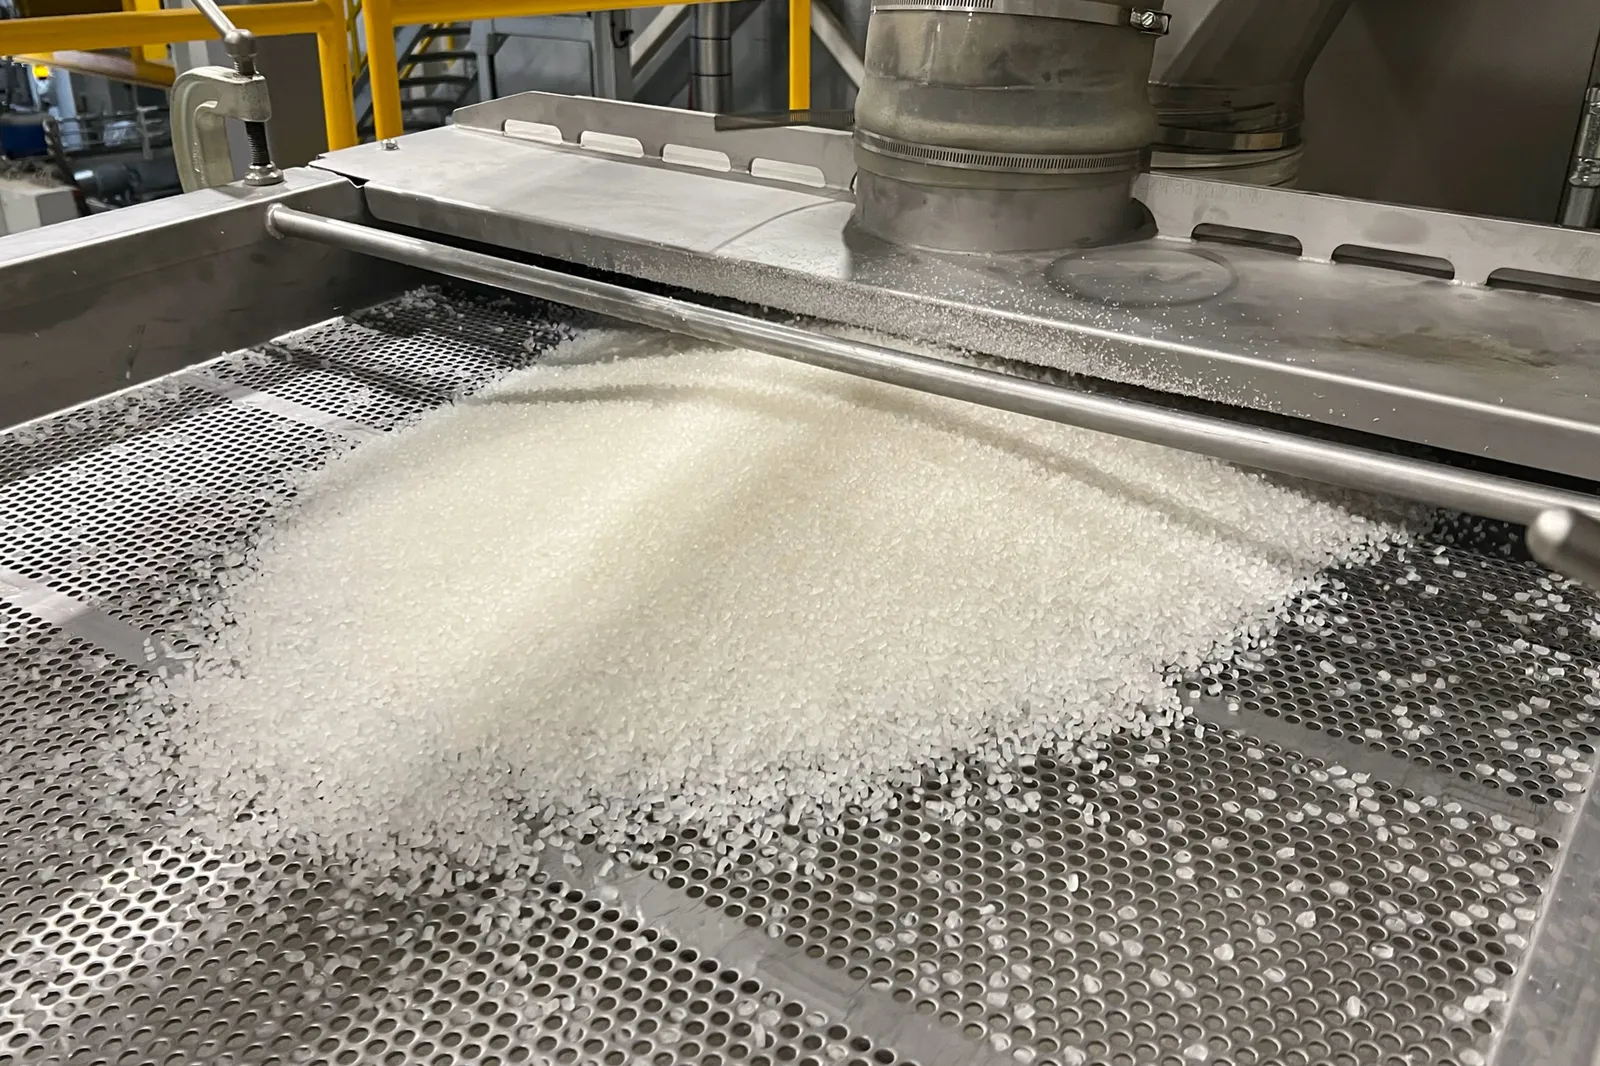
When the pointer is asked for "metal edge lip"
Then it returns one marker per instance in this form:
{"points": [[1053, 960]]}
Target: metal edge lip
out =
{"points": [[990, 330], [60, 260], [829, 151], [348, 165], [1272, 450], [136, 221], [1552, 1021]]}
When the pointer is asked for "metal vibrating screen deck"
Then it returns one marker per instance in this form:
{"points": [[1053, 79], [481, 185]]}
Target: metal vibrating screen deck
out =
{"points": [[1314, 877]]}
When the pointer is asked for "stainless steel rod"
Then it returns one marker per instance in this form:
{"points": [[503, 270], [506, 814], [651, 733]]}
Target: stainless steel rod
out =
{"points": [[1263, 449], [711, 59], [1583, 178], [216, 16], [1567, 542]]}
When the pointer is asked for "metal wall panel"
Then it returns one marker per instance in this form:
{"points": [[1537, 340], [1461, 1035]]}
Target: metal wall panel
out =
{"points": [[1470, 105]]}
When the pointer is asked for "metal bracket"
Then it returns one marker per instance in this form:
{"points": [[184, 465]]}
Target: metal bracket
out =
{"points": [[203, 98], [1099, 12], [829, 151], [1581, 197]]}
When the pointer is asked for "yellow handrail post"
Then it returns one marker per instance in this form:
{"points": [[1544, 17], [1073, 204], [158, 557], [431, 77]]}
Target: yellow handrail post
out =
{"points": [[338, 106], [799, 55], [382, 68], [155, 53]]}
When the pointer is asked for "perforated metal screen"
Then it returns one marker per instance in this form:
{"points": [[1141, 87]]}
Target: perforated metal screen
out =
{"points": [[1343, 859]]}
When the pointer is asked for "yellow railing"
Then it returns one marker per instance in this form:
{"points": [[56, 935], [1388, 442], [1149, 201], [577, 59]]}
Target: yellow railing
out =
{"points": [[332, 21], [128, 68], [155, 53], [799, 55], [382, 16], [135, 29]]}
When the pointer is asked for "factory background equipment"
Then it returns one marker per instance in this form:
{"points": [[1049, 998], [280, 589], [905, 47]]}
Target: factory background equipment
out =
{"points": [[74, 141], [1437, 906]]}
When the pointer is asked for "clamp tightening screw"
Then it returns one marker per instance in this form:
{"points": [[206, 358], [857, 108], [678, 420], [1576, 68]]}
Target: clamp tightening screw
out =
{"points": [[241, 46]]}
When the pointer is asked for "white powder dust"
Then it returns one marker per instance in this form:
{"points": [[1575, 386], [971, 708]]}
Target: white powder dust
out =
{"points": [[648, 585]]}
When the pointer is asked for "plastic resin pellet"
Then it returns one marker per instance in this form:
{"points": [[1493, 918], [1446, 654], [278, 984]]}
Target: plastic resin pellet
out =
{"points": [[651, 585]]}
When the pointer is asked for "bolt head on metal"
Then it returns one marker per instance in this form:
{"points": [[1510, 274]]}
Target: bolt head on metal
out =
{"points": [[239, 43], [267, 175], [389, 144], [1144, 19]]}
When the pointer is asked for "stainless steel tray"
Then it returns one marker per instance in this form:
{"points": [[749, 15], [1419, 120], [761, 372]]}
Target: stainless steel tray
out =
{"points": [[1303, 879]]}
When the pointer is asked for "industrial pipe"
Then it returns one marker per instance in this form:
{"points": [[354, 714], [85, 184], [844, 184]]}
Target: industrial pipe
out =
{"points": [[1582, 195], [1004, 126], [1231, 75], [711, 59], [1263, 449]]}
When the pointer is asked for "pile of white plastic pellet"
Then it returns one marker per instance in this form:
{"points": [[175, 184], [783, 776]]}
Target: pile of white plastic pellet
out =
{"points": [[642, 587]]}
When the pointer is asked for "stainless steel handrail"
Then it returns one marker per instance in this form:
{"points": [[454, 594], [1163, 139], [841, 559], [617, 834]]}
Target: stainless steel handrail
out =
{"points": [[1263, 449]]}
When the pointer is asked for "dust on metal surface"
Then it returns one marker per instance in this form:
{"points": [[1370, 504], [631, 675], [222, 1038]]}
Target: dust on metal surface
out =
{"points": [[1343, 859]]}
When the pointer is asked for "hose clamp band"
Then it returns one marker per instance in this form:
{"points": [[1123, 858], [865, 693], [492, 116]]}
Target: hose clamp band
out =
{"points": [[1004, 162]]}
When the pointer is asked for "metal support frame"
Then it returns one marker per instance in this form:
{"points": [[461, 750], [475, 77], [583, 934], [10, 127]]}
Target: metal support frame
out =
{"points": [[610, 65], [799, 55], [836, 42], [650, 40], [605, 33], [381, 16], [1582, 195], [483, 40]]}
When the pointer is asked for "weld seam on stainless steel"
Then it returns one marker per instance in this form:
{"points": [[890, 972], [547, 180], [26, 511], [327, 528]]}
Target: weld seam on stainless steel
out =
{"points": [[283, 408], [1222, 141], [82, 620], [1263, 449], [1010, 162]]}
